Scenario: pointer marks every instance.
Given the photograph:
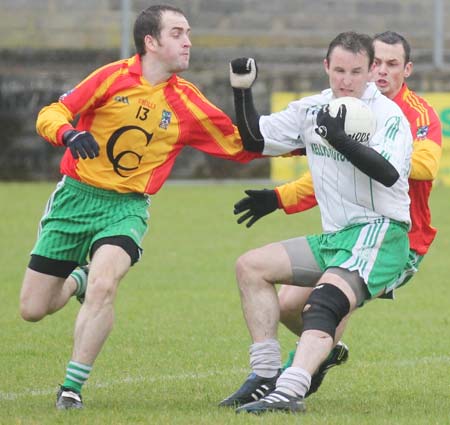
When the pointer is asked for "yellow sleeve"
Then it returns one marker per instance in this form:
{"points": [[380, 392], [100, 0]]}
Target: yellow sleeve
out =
{"points": [[425, 160], [53, 121], [298, 195]]}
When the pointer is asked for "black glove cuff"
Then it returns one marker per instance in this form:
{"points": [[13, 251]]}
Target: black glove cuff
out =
{"points": [[68, 135], [272, 200]]}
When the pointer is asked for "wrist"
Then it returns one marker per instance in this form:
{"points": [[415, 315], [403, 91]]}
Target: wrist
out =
{"points": [[339, 140], [67, 135], [278, 197], [272, 198]]}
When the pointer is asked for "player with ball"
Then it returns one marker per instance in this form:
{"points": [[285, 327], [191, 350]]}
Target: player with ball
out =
{"points": [[361, 186]]}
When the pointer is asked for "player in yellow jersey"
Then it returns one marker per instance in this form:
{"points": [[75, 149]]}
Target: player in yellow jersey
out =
{"points": [[135, 116]]}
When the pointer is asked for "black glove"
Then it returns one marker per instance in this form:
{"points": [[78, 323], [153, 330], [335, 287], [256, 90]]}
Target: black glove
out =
{"points": [[243, 73], [81, 143], [257, 204], [332, 128]]}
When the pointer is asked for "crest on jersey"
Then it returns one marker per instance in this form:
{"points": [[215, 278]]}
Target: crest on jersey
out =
{"points": [[165, 119], [422, 132]]}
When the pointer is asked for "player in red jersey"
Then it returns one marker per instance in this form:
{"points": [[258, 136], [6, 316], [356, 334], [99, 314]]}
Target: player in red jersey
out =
{"points": [[135, 116], [392, 66]]}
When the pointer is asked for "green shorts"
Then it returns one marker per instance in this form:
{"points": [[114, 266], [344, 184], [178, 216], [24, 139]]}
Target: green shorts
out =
{"points": [[77, 215], [378, 251], [409, 270]]}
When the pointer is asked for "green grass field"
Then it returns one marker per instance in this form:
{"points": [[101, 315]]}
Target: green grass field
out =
{"points": [[180, 343]]}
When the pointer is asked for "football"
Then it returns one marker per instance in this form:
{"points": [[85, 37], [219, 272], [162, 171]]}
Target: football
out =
{"points": [[360, 122]]}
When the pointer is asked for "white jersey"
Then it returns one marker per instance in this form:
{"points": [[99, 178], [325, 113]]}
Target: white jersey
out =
{"points": [[346, 195]]}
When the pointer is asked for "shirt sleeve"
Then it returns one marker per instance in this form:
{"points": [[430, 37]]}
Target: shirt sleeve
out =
{"points": [[427, 149], [393, 141], [206, 127], [298, 195], [281, 131], [55, 119]]}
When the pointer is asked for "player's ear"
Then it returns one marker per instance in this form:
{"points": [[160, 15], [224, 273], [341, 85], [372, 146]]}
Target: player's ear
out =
{"points": [[150, 43], [408, 69], [326, 66]]}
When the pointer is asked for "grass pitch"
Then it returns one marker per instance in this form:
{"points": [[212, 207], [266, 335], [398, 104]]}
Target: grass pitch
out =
{"points": [[180, 343]]}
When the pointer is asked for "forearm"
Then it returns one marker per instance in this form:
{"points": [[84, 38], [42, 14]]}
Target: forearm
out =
{"points": [[52, 122], [248, 120], [368, 160]]}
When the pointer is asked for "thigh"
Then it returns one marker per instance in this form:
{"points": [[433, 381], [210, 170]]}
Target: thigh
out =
{"points": [[110, 263], [39, 288], [352, 280], [270, 263], [293, 298], [304, 267]]}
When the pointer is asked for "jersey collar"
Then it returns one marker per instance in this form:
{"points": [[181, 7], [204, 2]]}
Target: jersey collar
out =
{"points": [[404, 90]]}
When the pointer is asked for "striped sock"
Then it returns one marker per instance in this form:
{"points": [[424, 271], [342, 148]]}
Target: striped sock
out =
{"points": [[80, 277], [294, 381], [76, 375]]}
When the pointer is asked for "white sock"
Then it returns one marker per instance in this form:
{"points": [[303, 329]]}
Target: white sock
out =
{"points": [[265, 358], [294, 381]]}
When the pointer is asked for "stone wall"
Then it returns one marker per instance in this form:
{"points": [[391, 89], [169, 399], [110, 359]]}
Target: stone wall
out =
{"points": [[47, 46]]}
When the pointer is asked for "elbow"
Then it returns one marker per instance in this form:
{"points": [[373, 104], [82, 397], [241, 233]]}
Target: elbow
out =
{"points": [[389, 179], [253, 145]]}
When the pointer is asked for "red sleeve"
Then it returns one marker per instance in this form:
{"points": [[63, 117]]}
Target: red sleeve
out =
{"points": [[298, 195], [204, 126]]}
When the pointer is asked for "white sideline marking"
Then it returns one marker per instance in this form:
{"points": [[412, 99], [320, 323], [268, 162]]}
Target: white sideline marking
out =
{"points": [[127, 380], [185, 376]]}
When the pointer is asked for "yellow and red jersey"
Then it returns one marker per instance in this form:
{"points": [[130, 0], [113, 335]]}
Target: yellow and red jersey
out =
{"points": [[140, 128], [427, 150], [425, 126], [297, 195]]}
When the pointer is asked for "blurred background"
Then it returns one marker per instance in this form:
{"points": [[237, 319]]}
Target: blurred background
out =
{"points": [[47, 46]]}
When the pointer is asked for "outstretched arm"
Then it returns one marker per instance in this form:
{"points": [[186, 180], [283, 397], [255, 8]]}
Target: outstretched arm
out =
{"points": [[292, 197], [243, 73]]}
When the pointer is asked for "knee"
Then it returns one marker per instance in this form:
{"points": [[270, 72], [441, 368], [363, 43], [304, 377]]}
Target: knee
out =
{"points": [[100, 291], [325, 308], [247, 268], [31, 311]]}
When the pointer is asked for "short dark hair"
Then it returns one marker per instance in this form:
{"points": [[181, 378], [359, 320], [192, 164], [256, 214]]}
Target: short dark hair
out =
{"points": [[353, 42], [148, 22], [392, 37]]}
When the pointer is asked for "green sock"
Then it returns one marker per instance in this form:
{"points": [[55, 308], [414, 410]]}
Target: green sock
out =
{"points": [[291, 356], [290, 359], [76, 375], [80, 277]]}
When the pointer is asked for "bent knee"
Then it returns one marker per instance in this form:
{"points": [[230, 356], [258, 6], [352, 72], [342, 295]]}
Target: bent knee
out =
{"points": [[247, 265], [31, 311]]}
